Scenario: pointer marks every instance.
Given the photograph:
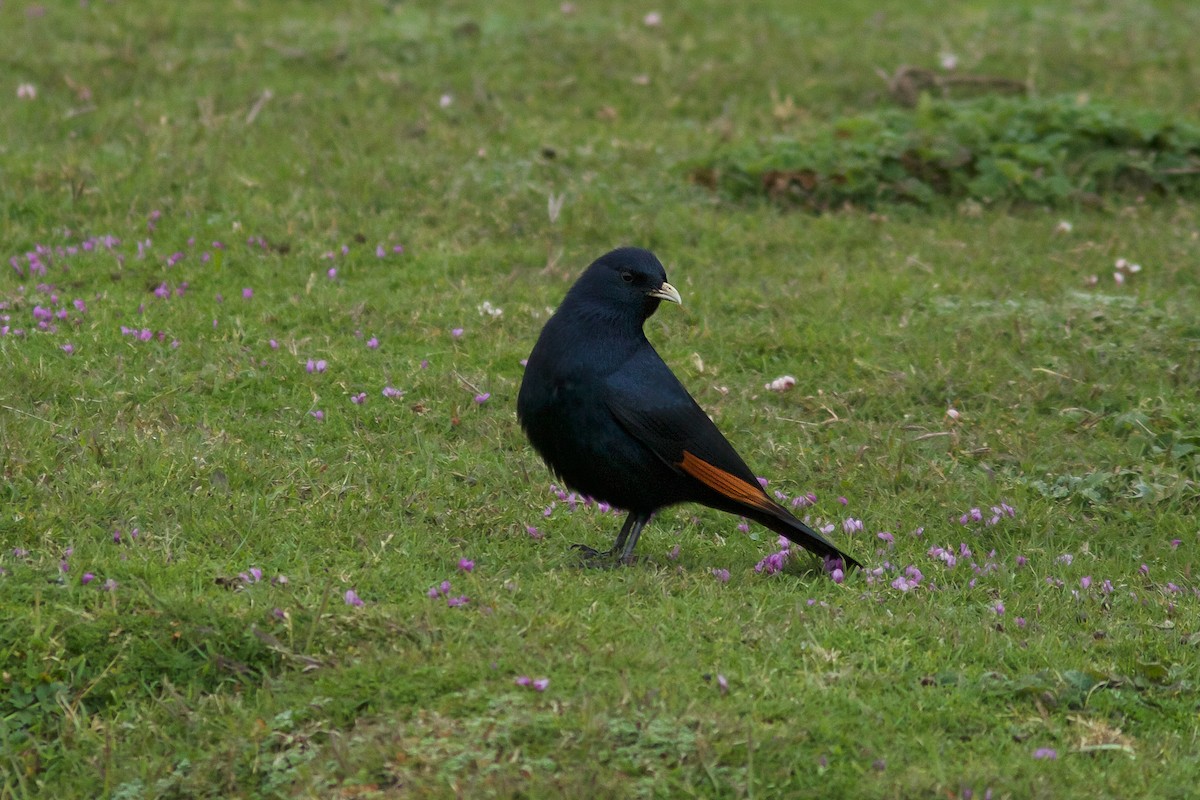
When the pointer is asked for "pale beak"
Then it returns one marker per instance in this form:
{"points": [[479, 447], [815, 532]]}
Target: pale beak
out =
{"points": [[667, 292]]}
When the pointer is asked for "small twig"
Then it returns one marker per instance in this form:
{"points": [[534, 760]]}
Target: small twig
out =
{"points": [[262, 100], [467, 383], [1056, 374], [31, 416]]}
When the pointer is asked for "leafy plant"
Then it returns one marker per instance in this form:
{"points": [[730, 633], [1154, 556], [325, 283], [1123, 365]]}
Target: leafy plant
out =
{"points": [[1046, 151]]}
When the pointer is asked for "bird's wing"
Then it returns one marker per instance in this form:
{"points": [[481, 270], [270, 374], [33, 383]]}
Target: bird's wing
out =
{"points": [[651, 404]]}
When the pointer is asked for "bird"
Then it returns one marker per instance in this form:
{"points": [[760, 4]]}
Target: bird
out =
{"points": [[611, 420]]}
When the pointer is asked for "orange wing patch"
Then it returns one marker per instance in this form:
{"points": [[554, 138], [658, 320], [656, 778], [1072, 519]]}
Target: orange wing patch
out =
{"points": [[727, 484]]}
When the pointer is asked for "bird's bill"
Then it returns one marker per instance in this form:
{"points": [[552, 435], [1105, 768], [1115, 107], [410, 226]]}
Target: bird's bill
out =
{"points": [[667, 292]]}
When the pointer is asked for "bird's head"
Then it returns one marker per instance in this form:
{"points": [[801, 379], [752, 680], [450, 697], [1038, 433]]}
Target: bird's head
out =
{"points": [[626, 280]]}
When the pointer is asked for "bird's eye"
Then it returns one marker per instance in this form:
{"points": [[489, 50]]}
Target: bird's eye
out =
{"points": [[627, 277]]}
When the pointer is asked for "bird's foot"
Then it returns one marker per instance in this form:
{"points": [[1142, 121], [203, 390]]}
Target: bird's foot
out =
{"points": [[601, 559]]}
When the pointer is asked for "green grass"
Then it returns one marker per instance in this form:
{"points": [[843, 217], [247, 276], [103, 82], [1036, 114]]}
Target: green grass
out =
{"points": [[1078, 406]]}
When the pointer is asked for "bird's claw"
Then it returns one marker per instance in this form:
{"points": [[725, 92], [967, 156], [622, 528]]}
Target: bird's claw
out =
{"points": [[601, 559]]}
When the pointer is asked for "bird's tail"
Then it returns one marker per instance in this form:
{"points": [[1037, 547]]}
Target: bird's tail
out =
{"points": [[795, 531]]}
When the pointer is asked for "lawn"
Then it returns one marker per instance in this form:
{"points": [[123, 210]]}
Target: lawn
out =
{"points": [[269, 526]]}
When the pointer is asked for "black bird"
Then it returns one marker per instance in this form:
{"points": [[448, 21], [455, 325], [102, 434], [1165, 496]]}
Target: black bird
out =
{"points": [[612, 420]]}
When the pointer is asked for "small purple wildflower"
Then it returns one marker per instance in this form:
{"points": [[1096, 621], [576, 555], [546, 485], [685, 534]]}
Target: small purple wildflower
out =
{"points": [[1020, 622], [318, 415], [533, 532], [380, 252], [351, 598], [541, 684], [886, 537], [1022, 561], [274, 344], [332, 273], [721, 574], [1065, 558], [744, 526], [358, 399], [466, 564], [456, 332], [391, 391], [999, 608], [763, 482], [1047, 753], [482, 398], [837, 575], [247, 293], [850, 525], [1085, 581], [903, 584], [461, 600], [1144, 569], [523, 680], [722, 683], [68, 348], [433, 593], [109, 585], [372, 343], [87, 578]]}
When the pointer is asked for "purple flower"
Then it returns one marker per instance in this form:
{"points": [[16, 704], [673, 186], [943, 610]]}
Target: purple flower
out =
{"points": [[837, 575], [372, 343], [744, 526], [1020, 622], [445, 587], [999, 608], [318, 415], [109, 585], [1144, 569], [87, 578], [884, 536], [466, 564], [721, 574], [763, 482], [358, 399], [380, 252], [247, 293], [533, 532], [332, 273], [1022, 561], [352, 599], [722, 684], [1065, 558], [433, 593], [851, 525], [461, 600], [68, 348], [523, 680], [903, 584], [482, 398], [1085, 581], [456, 332], [1106, 587], [256, 574], [390, 391], [1047, 753]]}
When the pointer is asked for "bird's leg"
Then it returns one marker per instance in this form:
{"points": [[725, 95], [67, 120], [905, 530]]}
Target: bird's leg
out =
{"points": [[633, 532], [621, 550]]}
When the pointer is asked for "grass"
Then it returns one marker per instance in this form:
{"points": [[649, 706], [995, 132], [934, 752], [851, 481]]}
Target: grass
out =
{"points": [[1077, 405]]}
